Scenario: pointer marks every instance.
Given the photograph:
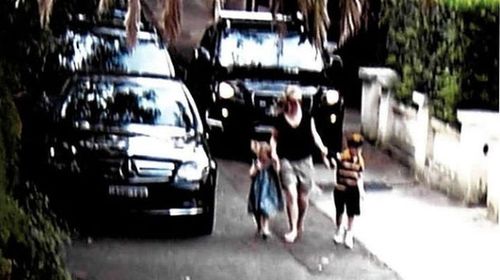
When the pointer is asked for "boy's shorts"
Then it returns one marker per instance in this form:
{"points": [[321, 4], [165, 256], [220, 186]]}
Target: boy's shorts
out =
{"points": [[295, 172], [348, 198]]}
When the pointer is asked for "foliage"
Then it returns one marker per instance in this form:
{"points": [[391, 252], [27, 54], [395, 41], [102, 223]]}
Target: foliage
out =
{"points": [[448, 49], [471, 3], [31, 242]]}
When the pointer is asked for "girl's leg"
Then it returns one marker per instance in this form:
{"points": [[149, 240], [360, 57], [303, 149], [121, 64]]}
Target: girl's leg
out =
{"points": [[265, 226], [257, 218]]}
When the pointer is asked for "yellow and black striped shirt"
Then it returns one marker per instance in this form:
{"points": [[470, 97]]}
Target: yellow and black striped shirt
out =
{"points": [[349, 169]]}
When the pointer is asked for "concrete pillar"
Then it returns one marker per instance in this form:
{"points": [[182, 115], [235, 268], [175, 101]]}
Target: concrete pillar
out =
{"points": [[376, 81], [478, 144], [493, 198], [384, 117], [421, 131]]}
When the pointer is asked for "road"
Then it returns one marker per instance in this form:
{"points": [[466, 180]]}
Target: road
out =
{"points": [[165, 250], [131, 248]]}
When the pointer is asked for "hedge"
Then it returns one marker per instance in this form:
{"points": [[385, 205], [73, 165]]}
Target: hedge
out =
{"points": [[447, 49]]}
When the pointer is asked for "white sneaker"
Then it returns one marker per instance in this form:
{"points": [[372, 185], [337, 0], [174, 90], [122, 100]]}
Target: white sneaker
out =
{"points": [[338, 237], [349, 239]]}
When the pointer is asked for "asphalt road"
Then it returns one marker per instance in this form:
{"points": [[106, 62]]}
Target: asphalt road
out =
{"points": [[161, 249], [135, 248]]}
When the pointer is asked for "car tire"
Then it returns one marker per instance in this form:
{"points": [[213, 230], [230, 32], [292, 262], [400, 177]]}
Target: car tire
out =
{"points": [[207, 219]]}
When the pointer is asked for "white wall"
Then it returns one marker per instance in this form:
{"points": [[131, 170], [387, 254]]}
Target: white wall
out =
{"points": [[443, 156]]}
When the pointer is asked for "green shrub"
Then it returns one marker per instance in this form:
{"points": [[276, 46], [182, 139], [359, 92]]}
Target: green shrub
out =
{"points": [[31, 241], [447, 49]]}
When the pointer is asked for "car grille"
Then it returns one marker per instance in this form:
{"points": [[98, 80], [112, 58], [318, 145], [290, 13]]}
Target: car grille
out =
{"points": [[135, 170], [265, 105]]}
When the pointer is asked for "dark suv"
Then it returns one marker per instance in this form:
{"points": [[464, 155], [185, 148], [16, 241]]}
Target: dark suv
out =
{"points": [[126, 134], [242, 66]]}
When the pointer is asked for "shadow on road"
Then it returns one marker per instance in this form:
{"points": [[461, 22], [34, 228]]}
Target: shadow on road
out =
{"points": [[135, 226]]}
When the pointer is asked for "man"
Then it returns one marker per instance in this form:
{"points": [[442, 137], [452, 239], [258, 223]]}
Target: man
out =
{"points": [[292, 141]]}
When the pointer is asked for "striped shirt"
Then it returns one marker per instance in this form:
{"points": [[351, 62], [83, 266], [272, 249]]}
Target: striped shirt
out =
{"points": [[349, 170]]}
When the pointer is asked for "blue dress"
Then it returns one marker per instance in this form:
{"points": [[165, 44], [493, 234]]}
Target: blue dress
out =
{"points": [[265, 196]]}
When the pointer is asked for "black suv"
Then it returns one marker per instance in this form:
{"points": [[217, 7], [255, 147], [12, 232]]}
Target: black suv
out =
{"points": [[242, 66], [126, 134]]}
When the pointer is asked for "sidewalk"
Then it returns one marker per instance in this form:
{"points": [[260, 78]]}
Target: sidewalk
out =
{"points": [[415, 230]]}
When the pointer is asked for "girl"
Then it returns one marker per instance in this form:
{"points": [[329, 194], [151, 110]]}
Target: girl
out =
{"points": [[265, 196]]}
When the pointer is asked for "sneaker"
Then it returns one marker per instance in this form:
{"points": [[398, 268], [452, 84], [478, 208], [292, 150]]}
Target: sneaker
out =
{"points": [[349, 239], [338, 237]]}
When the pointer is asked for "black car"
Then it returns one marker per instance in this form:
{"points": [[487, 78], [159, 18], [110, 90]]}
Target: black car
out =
{"points": [[125, 134], [242, 66]]}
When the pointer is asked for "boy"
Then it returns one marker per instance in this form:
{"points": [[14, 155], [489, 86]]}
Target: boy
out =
{"points": [[349, 188]]}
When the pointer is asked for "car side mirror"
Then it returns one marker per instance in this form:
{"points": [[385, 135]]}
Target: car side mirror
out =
{"points": [[336, 62], [336, 67], [201, 53]]}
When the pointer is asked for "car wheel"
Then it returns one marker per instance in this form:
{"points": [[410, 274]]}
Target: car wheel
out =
{"points": [[207, 219]]}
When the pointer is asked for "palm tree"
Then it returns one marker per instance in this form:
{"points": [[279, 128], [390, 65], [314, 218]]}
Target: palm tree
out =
{"points": [[169, 22], [353, 16]]}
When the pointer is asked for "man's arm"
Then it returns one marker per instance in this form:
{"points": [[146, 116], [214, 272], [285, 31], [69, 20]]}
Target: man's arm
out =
{"points": [[319, 144], [274, 154], [317, 139]]}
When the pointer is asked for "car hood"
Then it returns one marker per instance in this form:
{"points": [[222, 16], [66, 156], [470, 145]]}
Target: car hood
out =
{"points": [[147, 141]]}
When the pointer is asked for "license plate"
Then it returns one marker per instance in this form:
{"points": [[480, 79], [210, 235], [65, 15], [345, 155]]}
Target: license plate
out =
{"points": [[128, 191]]}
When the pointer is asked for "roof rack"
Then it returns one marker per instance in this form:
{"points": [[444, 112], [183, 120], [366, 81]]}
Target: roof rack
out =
{"points": [[246, 15]]}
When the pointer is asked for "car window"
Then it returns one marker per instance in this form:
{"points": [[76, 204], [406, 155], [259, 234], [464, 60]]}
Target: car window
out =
{"points": [[125, 102], [108, 53], [265, 48]]}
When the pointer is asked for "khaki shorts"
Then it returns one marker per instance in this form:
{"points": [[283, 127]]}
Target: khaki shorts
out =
{"points": [[299, 172]]}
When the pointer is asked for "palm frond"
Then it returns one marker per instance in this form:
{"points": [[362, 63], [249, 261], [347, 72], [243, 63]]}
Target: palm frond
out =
{"points": [[321, 22], [45, 10], [171, 19], [353, 15], [132, 21], [316, 19], [104, 6]]}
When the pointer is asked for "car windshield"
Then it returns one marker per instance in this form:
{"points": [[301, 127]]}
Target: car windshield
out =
{"points": [[108, 53], [265, 48], [119, 103]]}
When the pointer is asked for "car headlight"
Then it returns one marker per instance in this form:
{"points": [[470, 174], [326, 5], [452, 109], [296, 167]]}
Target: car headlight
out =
{"points": [[192, 171], [332, 96], [226, 91], [62, 157]]}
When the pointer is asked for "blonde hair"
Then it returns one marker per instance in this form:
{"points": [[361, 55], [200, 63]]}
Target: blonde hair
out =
{"points": [[292, 92], [259, 147]]}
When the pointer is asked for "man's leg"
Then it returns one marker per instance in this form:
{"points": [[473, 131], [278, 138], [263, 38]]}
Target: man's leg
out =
{"points": [[293, 212], [303, 205]]}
